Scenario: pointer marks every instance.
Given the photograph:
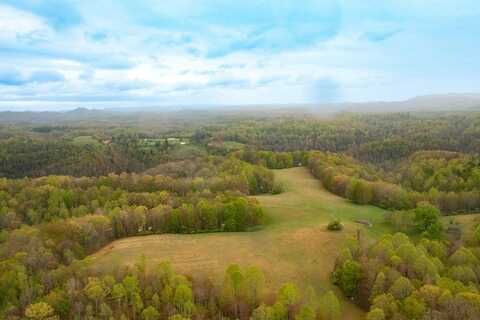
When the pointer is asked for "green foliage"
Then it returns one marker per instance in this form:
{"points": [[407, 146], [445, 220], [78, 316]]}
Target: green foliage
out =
{"points": [[376, 314], [329, 307], [425, 217], [289, 294], [43, 274], [360, 192], [335, 225], [365, 184], [306, 313], [401, 288], [413, 308], [423, 220], [404, 279], [131, 208], [348, 277], [183, 300], [39, 311], [477, 234], [278, 188], [443, 171], [274, 160], [159, 293]]}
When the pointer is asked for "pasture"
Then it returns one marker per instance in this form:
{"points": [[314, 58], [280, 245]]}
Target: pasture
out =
{"points": [[86, 140], [294, 245]]}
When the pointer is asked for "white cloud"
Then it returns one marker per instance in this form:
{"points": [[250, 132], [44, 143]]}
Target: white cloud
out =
{"points": [[377, 51], [17, 25]]}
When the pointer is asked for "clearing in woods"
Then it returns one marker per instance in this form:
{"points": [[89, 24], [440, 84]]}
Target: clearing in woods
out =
{"points": [[293, 246]]}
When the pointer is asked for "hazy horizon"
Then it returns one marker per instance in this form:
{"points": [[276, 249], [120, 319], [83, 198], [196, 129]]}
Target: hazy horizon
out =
{"points": [[434, 102]]}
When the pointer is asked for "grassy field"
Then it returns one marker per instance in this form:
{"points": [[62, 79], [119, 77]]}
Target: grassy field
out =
{"points": [[466, 222], [86, 140], [293, 246]]}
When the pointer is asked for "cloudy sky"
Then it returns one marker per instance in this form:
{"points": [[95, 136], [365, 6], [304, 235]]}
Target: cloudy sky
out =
{"points": [[58, 54]]}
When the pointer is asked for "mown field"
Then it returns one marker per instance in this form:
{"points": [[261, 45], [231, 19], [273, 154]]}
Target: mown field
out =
{"points": [[293, 246]]}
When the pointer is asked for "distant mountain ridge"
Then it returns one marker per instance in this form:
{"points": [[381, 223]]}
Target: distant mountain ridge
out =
{"points": [[447, 102], [430, 103]]}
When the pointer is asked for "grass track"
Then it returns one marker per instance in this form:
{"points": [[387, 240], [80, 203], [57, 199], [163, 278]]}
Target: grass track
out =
{"points": [[293, 246]]}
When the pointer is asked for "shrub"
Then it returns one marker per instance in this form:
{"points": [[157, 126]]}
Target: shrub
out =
{"points": [[335, 225], [278, 188]]}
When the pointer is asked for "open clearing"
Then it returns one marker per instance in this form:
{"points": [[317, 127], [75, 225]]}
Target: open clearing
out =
{"points": [[293, 246]]}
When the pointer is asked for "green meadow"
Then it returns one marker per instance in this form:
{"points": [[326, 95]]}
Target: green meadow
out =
{"points": [[294, 244]]}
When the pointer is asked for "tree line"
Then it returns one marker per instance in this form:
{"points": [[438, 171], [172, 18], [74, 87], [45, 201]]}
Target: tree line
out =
{"points": [[48, 198], [273, 160], [51, 224], [439, 170], [382, 139], [76, 292], [364, 184], [76, 237]]}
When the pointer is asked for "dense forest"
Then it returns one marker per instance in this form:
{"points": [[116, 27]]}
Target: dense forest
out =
{"points": [[379, 139], [45, 199], [69, 188], [50, 224], [363, 184], [397, 277], [376, 138]]}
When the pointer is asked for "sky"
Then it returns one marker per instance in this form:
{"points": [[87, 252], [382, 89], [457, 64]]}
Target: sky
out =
{"points": [[63, 54]]}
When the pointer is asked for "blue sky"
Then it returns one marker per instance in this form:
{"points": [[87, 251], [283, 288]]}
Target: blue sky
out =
{"points": [[60, 54]]}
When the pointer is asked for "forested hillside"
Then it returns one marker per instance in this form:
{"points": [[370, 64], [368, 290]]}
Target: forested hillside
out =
{"points": [[380, 139], [68, 189], [50, 224], [375, 138], [398, 277]]}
